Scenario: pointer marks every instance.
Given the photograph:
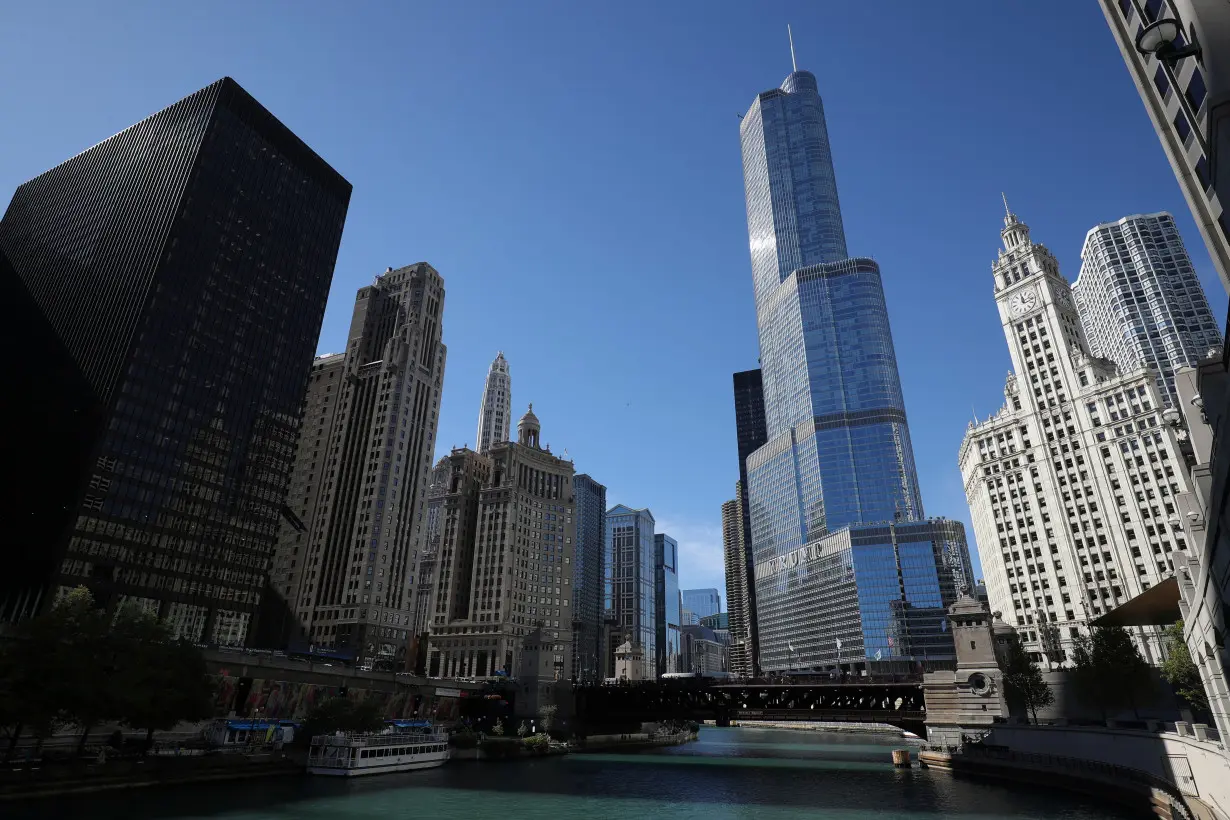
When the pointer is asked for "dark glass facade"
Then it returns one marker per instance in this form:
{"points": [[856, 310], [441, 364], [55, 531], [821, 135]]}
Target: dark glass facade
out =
{"points": [[177, 275], [587, 578], [668, 605], [751, 434]]}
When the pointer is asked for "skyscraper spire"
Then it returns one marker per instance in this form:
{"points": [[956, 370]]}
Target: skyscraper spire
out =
{"points": [[1007, 210], [495, 413], [793, 63]]}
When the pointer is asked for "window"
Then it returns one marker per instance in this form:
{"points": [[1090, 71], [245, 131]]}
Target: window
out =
{"points": [[1202, 172], [1196, 90], [1159, 80], [1182, 127]]}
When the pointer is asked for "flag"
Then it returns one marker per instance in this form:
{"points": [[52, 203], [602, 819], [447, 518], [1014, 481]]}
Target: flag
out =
{"points": [[839, 643], [877, 654]]}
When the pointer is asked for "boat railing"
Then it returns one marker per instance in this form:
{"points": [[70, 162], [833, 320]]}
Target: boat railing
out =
{"points": [[355, 739]]}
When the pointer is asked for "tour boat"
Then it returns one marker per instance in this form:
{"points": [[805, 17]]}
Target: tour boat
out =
{"points": [[403, 746]]}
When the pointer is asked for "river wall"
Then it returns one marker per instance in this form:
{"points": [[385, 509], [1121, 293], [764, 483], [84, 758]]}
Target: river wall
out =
{"points": [[1199, 768]]}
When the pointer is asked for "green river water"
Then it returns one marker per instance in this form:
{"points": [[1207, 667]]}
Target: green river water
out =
{"points": [[727, 773]]}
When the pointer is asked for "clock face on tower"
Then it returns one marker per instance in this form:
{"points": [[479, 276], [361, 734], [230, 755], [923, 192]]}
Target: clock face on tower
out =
{"points": [[1023, 301]]}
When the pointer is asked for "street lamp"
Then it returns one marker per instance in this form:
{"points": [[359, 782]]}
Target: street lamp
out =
{"points": [[1159, 39]]}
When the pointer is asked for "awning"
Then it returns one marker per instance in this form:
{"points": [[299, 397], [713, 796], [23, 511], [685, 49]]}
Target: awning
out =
{"points": [[1156, 606]]}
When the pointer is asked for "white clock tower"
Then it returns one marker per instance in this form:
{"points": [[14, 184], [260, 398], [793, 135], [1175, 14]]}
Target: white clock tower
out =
{"points": [[1071, 483]]}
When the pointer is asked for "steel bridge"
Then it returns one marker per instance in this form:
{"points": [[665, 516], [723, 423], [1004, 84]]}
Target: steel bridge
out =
{"points": [[898, 704]]}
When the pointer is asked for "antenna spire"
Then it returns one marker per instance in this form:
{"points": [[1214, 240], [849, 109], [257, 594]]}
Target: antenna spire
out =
{"points": [[793, 63], [1007, 210]]}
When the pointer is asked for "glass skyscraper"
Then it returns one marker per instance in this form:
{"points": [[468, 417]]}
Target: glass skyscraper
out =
{"points": [[838, 452], [630, 594], [668, 615], [169, 284]]}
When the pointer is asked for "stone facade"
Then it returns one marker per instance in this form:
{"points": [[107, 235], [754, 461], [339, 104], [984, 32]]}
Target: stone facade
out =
{"points": [[505, 562], [1072, 482], [360, 479]]}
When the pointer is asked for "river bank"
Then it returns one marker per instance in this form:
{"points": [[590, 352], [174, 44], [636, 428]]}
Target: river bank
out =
{"points": [[34, 781], [821, 726]]}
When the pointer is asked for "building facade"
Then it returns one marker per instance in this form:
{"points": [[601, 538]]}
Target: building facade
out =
{"points": [[587, 587], [1139, 300], [734, 554], [701, 602], [751, 435], [166, 289], [1179, 101], [837, 466], [495, 414], [504, 572], [1072, 483], [704, 652], [668, 608], [867, 596], [362, 470], [630, 594], [1203, 575]]}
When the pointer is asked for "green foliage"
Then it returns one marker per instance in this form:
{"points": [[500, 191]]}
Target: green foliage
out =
{"points": [[546, 716], [341, 715], [77, 665], [1181, 671], [498, 728], [1024, 685], [523, 729], [1109, 672], [537, 743]]}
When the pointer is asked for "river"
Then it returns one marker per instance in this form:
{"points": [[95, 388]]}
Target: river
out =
{"points": [[727, 773]]}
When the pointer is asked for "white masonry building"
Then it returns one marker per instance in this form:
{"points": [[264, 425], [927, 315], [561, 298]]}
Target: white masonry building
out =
{"points": [[1071, 484], [495, 414], [1140, 301]]}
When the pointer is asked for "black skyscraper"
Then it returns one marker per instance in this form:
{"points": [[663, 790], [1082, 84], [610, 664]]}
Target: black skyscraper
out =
{"points": [[164, 292], [751, 431]]}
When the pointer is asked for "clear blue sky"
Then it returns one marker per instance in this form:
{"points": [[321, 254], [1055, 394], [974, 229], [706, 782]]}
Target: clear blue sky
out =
{"points": [[573, 171]]}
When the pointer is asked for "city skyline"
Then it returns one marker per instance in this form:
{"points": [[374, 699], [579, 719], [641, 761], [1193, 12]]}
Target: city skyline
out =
{"points": [[937, 420]]}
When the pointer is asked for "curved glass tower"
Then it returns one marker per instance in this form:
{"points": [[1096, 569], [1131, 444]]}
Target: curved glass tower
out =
{"points": [[835, 484], [839, 448]]}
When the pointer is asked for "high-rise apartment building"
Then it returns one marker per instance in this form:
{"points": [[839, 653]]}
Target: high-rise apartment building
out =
{"points": [[495, 414], [1072, 483], [504, 576], [167, 286], [587, 572], [1139, 300], [668, 615], [835, 486], [362, 468], [734, 553], [433, 536], [751, 435], [702, 602], [630, 594], [1179, 103]]}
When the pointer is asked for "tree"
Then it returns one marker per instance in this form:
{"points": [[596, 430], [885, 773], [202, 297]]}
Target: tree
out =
{"points": [[546, 716], [1023, 681], [161, 681], [1181, 671], [1109, 671]]}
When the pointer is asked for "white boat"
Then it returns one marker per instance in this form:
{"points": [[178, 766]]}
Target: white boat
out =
{"points": [[402, 747]]}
